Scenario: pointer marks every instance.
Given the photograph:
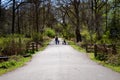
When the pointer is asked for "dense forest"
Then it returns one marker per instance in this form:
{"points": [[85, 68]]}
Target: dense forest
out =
{"points": [[83, 21]]}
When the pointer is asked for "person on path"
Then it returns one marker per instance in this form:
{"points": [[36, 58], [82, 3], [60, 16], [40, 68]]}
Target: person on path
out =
{"points": [[56, 40], [64, 42]]}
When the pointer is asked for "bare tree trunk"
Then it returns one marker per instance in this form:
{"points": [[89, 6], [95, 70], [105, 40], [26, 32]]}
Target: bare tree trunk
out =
{"points": [[18, 13], [77, 31], [48, 12], [78, 35], [106, 16], [0, 10], [13, 17], [44, 14], [36, 11]]}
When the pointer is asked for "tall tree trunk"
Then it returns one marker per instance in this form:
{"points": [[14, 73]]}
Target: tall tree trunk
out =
{"points": [[106, 17], [0, 10], [77, 31], [48, 12], [18, 13], [13, 17], [78, 35], [36, 10], [97, 20], [44, 14]]}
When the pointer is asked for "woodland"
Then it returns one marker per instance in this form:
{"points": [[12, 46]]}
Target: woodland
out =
{"points": [[91, 23]]}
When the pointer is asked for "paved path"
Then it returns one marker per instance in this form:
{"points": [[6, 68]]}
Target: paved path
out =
{"points": [[61, 62]]}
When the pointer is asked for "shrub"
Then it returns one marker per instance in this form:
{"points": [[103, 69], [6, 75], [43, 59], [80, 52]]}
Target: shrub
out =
{"points": [[88, 37], [101, 56], [13, 46], [6, 65], [37, 37], [114, 59], [49, 32]]}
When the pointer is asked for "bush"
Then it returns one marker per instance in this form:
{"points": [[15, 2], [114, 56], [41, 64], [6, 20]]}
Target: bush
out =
{"points": [[37, 37], [105, 39], [101, 56], [49, 32], [13, 46], [114, 59], [6, 65], [87, 37]]}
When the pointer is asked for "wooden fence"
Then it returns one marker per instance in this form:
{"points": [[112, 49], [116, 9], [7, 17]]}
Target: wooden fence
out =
{"points": [[32, 47], [3, 58], [101, 48]]}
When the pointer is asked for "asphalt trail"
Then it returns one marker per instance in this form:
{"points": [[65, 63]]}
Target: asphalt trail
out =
{"points": [[61, 62]]}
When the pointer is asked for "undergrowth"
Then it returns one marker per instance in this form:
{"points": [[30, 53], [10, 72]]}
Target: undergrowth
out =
{"points": [[13, 63]]}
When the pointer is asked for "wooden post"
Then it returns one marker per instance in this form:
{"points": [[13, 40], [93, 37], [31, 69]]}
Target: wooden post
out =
{"points": [[95, 50], [33, 47], [27, 47], [114, 51], [36, 46], [86, 47], [105, 48]]}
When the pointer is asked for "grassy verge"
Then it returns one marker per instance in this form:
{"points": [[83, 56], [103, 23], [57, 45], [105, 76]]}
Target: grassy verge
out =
{"points": [[75, 46], [113, 67], [12, 64], [45, 44], [18, 61], [91, 56]]}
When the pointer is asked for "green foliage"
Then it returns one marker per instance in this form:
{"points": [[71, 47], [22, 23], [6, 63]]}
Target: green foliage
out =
{"points": [[13, 63], [114, 28], [76, 46], [88, 37], [101, 56], [13, 45], [58, 28], [114, 59], [114, 22], [68, 32], [50, 32], [37, 37], [68, 35], [6, 65], [105, 39], [106, 64]]}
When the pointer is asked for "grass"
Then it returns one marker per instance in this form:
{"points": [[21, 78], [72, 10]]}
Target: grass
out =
{"points": [[114, 68], [91, 56], [111, 66], [13, 64], [45, 44], [75, 46], [17, 61]]}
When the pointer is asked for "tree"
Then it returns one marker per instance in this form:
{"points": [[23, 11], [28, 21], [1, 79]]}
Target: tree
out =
{"points": [[13, 17], [72, 9], [0, 9]]}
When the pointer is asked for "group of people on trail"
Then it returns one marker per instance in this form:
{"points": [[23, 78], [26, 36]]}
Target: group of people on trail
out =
{"points": [[57, 41]]}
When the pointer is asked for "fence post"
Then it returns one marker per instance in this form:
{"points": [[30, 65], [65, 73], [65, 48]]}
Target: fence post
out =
{"points": [[86, 47], [33, 47], [27, 47], [105, 48], [95, 50], [114, 51], [36, 46]]}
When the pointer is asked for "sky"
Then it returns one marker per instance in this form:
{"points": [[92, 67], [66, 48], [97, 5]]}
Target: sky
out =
{"points": [[5, 2]]}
